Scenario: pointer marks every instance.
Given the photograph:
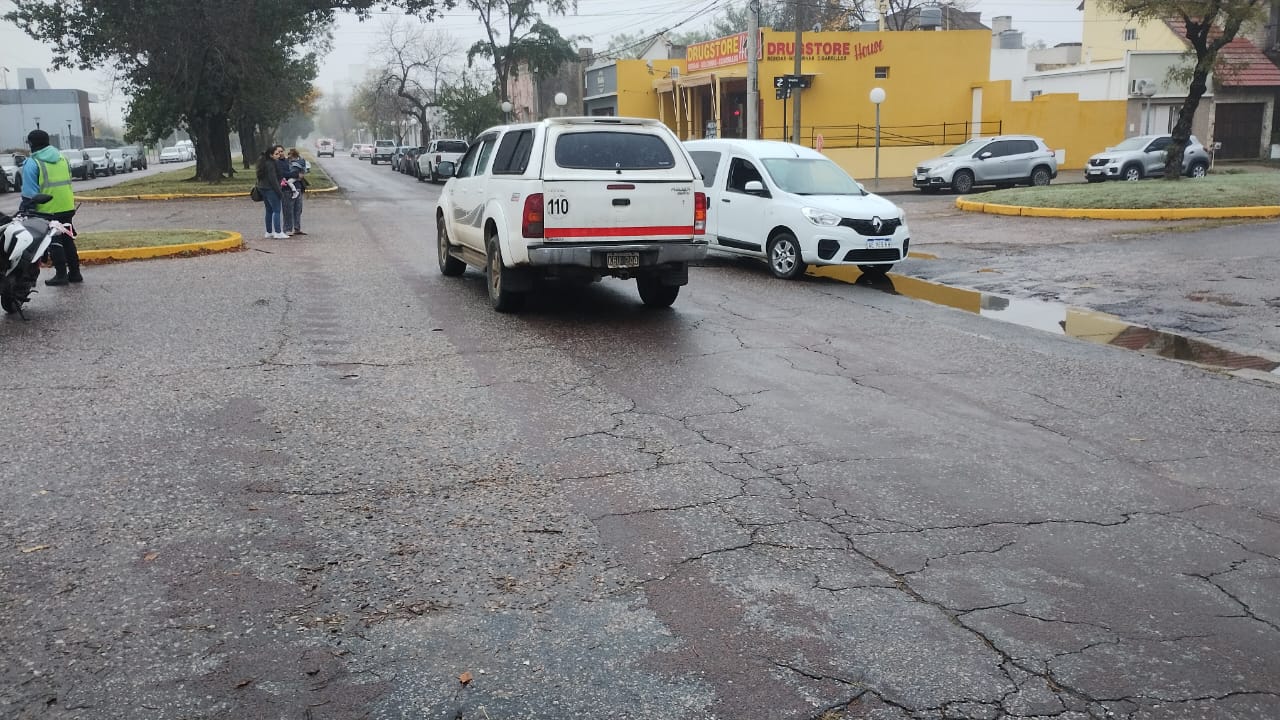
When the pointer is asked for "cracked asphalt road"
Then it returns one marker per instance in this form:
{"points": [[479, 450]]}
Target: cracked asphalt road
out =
{"points": [[315, 479]]}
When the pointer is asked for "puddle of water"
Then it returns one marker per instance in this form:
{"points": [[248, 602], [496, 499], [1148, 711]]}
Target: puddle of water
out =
{"points": [[1060, 319]]}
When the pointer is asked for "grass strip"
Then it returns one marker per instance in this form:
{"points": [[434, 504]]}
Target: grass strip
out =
{"points": [[117, 239], [183, 182], [1216, 190]]}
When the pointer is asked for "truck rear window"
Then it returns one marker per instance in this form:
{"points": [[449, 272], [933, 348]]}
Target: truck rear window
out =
{"points": [[451, 146], [613, 151]]}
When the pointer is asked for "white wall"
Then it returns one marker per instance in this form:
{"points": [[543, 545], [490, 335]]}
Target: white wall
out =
{"points": [[1090, 82], [1011, 65]]}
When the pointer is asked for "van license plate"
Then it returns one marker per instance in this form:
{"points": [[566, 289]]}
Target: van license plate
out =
{"points": [[878, 243], [622, 260]]}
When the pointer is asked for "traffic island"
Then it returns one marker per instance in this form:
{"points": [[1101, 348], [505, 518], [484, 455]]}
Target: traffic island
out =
{"points": [[1204, 213], [121, 245]]}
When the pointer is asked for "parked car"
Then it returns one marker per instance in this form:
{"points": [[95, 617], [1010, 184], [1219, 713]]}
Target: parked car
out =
{"points": [[11, 172], [613, 196], [172, 155], [382, 151], [80, 164], [135, 155], [366, 152], [438, 151], [409, 161], [1144, 156], [355, 149], [188, 149], [324, 146], [793, 207], [396, 155], [1001, 160], [103, 162]]}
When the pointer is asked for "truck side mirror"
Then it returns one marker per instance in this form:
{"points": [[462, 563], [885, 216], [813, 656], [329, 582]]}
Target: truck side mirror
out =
{"points": [[446, 168], [754, 187]]}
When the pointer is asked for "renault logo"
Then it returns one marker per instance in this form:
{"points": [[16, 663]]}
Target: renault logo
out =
{"points": [[877, 224]]}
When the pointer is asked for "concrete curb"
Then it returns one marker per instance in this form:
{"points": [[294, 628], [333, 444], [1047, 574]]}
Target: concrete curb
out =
{"points": [[232, 241], [186, 196], [1259, 211]]}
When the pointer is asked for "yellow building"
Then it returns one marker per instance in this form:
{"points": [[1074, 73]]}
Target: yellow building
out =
{"points": [[937, 90]]}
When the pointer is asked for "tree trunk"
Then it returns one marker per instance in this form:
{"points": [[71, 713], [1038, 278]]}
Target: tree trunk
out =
{"points": [[249, 149], [1181, 134], [210, 135]]}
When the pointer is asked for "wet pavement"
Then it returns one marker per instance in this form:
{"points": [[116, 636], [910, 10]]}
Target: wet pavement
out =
{"points": [[315, 479]]}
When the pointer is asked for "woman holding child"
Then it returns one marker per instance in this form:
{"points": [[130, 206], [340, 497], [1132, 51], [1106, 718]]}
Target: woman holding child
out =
{"points": [[268, 184]]}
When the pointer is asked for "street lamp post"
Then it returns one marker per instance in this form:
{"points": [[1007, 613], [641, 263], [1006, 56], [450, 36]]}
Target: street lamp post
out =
{"points": [[506, 110], [69, 143], [877, 97], [561, 100], [37, 119], [1148, 92]]}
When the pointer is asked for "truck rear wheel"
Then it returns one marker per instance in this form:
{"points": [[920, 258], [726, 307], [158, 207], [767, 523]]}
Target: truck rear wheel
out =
{"points": [[502, 299], [654, 293]]}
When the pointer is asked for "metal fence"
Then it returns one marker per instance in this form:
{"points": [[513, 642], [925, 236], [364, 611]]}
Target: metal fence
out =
{"points": [[864, 136]]}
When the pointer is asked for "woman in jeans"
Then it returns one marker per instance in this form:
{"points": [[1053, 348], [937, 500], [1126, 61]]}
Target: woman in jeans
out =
{"points": [[269, 185]]}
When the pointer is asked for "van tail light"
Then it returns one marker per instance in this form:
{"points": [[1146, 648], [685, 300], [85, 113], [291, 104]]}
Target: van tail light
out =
{"points": [[699, 213], [531, 220]]}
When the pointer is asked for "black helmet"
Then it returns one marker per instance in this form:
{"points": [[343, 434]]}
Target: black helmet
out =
{"points": [[38, 139]]}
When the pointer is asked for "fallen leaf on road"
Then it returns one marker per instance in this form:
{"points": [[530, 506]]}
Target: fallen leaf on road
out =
{"points": [[35, 548], [243, 683], [465, 678], [150, 556]]}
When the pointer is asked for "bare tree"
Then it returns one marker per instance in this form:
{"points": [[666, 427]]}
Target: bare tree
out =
{"points": [[415, 64], [515, 32]]}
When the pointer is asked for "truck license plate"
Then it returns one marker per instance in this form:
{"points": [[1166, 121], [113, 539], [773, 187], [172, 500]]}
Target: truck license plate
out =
{"points": [[622, 260], [877, 243]]}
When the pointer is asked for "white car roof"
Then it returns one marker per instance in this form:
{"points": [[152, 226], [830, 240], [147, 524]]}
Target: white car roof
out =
{"points": [[757, 148]]}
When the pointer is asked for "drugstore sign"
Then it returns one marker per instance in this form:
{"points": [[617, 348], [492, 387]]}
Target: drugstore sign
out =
{"points": [[732, 50], [717, 53], [823, 50]]}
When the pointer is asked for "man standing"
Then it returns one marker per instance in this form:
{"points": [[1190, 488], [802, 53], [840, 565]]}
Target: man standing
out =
{"points": [[47, 172]]}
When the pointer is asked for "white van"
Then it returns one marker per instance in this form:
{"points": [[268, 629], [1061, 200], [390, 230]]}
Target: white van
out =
{"points": [[324, 146], [794, 207]]}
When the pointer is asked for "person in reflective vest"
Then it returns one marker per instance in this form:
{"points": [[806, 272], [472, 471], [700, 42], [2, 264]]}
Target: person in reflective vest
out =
{"points": [[47, 172]]}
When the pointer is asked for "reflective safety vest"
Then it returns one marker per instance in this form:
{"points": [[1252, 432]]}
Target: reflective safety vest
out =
{"points": [[55, 180]]}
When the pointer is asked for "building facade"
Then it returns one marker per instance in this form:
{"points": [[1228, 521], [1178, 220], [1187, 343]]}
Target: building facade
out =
{"points": [[64, 114]]}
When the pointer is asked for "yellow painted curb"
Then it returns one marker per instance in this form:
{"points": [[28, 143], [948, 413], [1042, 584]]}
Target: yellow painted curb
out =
{"points": [[232, 241], [1257, 211], [185, 196]]}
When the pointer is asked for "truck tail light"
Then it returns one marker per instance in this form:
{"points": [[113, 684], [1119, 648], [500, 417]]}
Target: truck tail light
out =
{"points": [[437, 159], [699, 213], [531, 220]]}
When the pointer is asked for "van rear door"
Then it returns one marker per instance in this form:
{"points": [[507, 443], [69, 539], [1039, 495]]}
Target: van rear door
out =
{"points": [[616, 182]]}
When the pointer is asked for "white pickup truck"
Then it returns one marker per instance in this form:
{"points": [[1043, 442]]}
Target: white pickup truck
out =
{"points": [[439, 151], [576, 199]]}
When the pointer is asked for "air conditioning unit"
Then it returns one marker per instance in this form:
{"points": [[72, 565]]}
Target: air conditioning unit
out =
{"points": [[1142, 86]]}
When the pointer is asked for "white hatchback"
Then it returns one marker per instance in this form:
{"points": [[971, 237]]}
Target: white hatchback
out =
{"points": [[794, 207]]}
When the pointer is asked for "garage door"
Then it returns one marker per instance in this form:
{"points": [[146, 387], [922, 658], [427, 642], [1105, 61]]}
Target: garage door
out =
{"points": [[1238, 126]]}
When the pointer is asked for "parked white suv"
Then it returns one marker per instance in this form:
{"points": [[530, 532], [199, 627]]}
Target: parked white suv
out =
{"points": [[1144, 156], [577, 199], [439, 151], [794, 207], [1000, 160]]}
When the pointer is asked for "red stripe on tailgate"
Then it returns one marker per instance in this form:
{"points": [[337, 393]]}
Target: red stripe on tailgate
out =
{"points": [[620, 231]]}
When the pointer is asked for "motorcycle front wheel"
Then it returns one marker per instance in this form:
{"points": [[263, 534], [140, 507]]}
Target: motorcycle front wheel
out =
{"points": [[8, 304]]}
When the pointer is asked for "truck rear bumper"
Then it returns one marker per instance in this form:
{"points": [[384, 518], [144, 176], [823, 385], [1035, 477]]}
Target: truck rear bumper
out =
{"points": [[597, 256]]}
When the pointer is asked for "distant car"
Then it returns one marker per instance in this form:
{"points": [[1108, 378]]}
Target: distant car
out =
{"points": [[409, 162], [1144, 156], [80, 163], [135, 155], [366, 152], [1000, 160], [324, 146], [172, 155], [439, 151], [103, 162], [355, 149], [382, 150], [188, 149], [11, 172]]}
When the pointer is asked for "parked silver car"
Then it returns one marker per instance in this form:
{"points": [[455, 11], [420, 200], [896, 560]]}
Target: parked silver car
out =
{"points": [[1143, 156], [1000, 160]]}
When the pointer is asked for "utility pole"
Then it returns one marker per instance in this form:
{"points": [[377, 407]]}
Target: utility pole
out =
{"points": [[798, 16], [753, 76]]}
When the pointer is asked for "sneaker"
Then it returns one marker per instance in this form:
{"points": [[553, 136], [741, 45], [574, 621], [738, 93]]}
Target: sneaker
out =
{"points": [[298, 232], [295, 194], [269, 235], [56, 280], [75, 277], [280, 236]]}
